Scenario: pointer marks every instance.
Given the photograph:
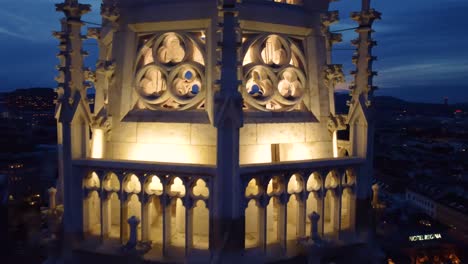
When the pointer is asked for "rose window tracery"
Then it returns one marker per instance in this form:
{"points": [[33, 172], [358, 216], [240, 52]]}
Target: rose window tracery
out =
{"points": [[170, 72], [274, 76]]}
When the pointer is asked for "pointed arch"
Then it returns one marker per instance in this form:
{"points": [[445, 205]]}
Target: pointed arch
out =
{"points": [[92, 214], [201, 226], [252, 225], [111, 216]]}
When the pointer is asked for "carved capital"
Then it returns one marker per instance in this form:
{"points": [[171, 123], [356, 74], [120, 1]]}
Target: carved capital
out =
{"points": [[72, 9], [335, 123], [105, 67], [366, 17], [89, 75], [109, 10], [335, 38], [333, 74], [330, 18], [94, 33]]}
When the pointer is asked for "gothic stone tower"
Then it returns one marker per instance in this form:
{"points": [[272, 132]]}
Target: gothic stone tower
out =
{"points": [[213, 129]]}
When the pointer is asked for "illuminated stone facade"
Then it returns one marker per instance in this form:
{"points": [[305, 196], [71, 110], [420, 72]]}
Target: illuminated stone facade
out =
{"points": [[214, 125]]}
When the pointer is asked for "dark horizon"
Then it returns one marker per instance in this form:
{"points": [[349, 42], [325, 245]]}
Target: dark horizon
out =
{"points": [[421, 53]]}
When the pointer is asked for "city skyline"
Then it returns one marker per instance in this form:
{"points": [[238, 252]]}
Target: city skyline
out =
{"points": [[421, 57]]}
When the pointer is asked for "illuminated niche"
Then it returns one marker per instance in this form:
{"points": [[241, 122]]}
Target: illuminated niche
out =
{"points": [[291, 2], [170, 72], [274, 73]]}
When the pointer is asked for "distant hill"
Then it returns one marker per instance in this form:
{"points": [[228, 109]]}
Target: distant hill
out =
{"points": [[393, 104]]}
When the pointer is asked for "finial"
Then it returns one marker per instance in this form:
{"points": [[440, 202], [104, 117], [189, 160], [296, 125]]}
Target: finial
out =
{"points": [[366, 5]]}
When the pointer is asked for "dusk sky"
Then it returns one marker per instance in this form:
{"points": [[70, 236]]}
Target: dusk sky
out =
{"points": [[423, 46]]}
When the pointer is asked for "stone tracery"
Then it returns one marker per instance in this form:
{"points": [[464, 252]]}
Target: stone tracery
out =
{"points": [[274, 76], [170, 72]]}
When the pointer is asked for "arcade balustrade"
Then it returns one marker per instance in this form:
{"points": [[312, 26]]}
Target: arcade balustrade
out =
{"points": [[279, 198], [173, 202]]}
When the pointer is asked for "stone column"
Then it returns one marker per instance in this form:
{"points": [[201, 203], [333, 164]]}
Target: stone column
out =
{"points": [[282, 220], [106, 214], [166, 217], [102, 197], [352, 211], [145, 220], [321, 209], [262, 225], [123, 216], [337, 218], [228, 213], [52, 192], [188, 225], [301, 220]]}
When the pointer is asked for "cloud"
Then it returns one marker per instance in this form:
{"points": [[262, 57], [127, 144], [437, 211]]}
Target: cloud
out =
{"points": [[12, 34]]}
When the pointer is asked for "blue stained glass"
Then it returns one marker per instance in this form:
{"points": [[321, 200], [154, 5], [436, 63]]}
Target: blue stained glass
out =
{"points": [[195, 89], [255, 89], [188, 75]]}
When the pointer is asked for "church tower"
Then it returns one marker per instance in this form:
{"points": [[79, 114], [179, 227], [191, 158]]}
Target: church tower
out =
{"points": [[213, 130]]}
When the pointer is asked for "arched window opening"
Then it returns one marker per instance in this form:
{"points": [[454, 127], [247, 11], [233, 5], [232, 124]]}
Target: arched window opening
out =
{"points": [[111, 216], [332, 180], [293, 221], [154, 186], [92, 214], [311, 206], [92, 181], [330, 216], [201, 230], [295, 184], [201, 189], [111, 183], [132, 184], [347, 207], [252, 232], [131, 208], [274, 220], [177, 223], [177, 188], [154, 220], [252, 188], [275, 187], [314, 183]]}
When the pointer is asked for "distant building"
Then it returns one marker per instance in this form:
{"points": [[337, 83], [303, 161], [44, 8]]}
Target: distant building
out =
{"points": [[444, 206], [423, 200], [30, 173], [452, 210]]}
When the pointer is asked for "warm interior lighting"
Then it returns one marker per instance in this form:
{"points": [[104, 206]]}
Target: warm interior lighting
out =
{"points": [[168, 153], [97, 151], [335, 145]]}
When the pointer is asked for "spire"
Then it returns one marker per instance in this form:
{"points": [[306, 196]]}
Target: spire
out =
{"points": [[73, 9], [71, 77], [362, 88], [228, 100]]}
